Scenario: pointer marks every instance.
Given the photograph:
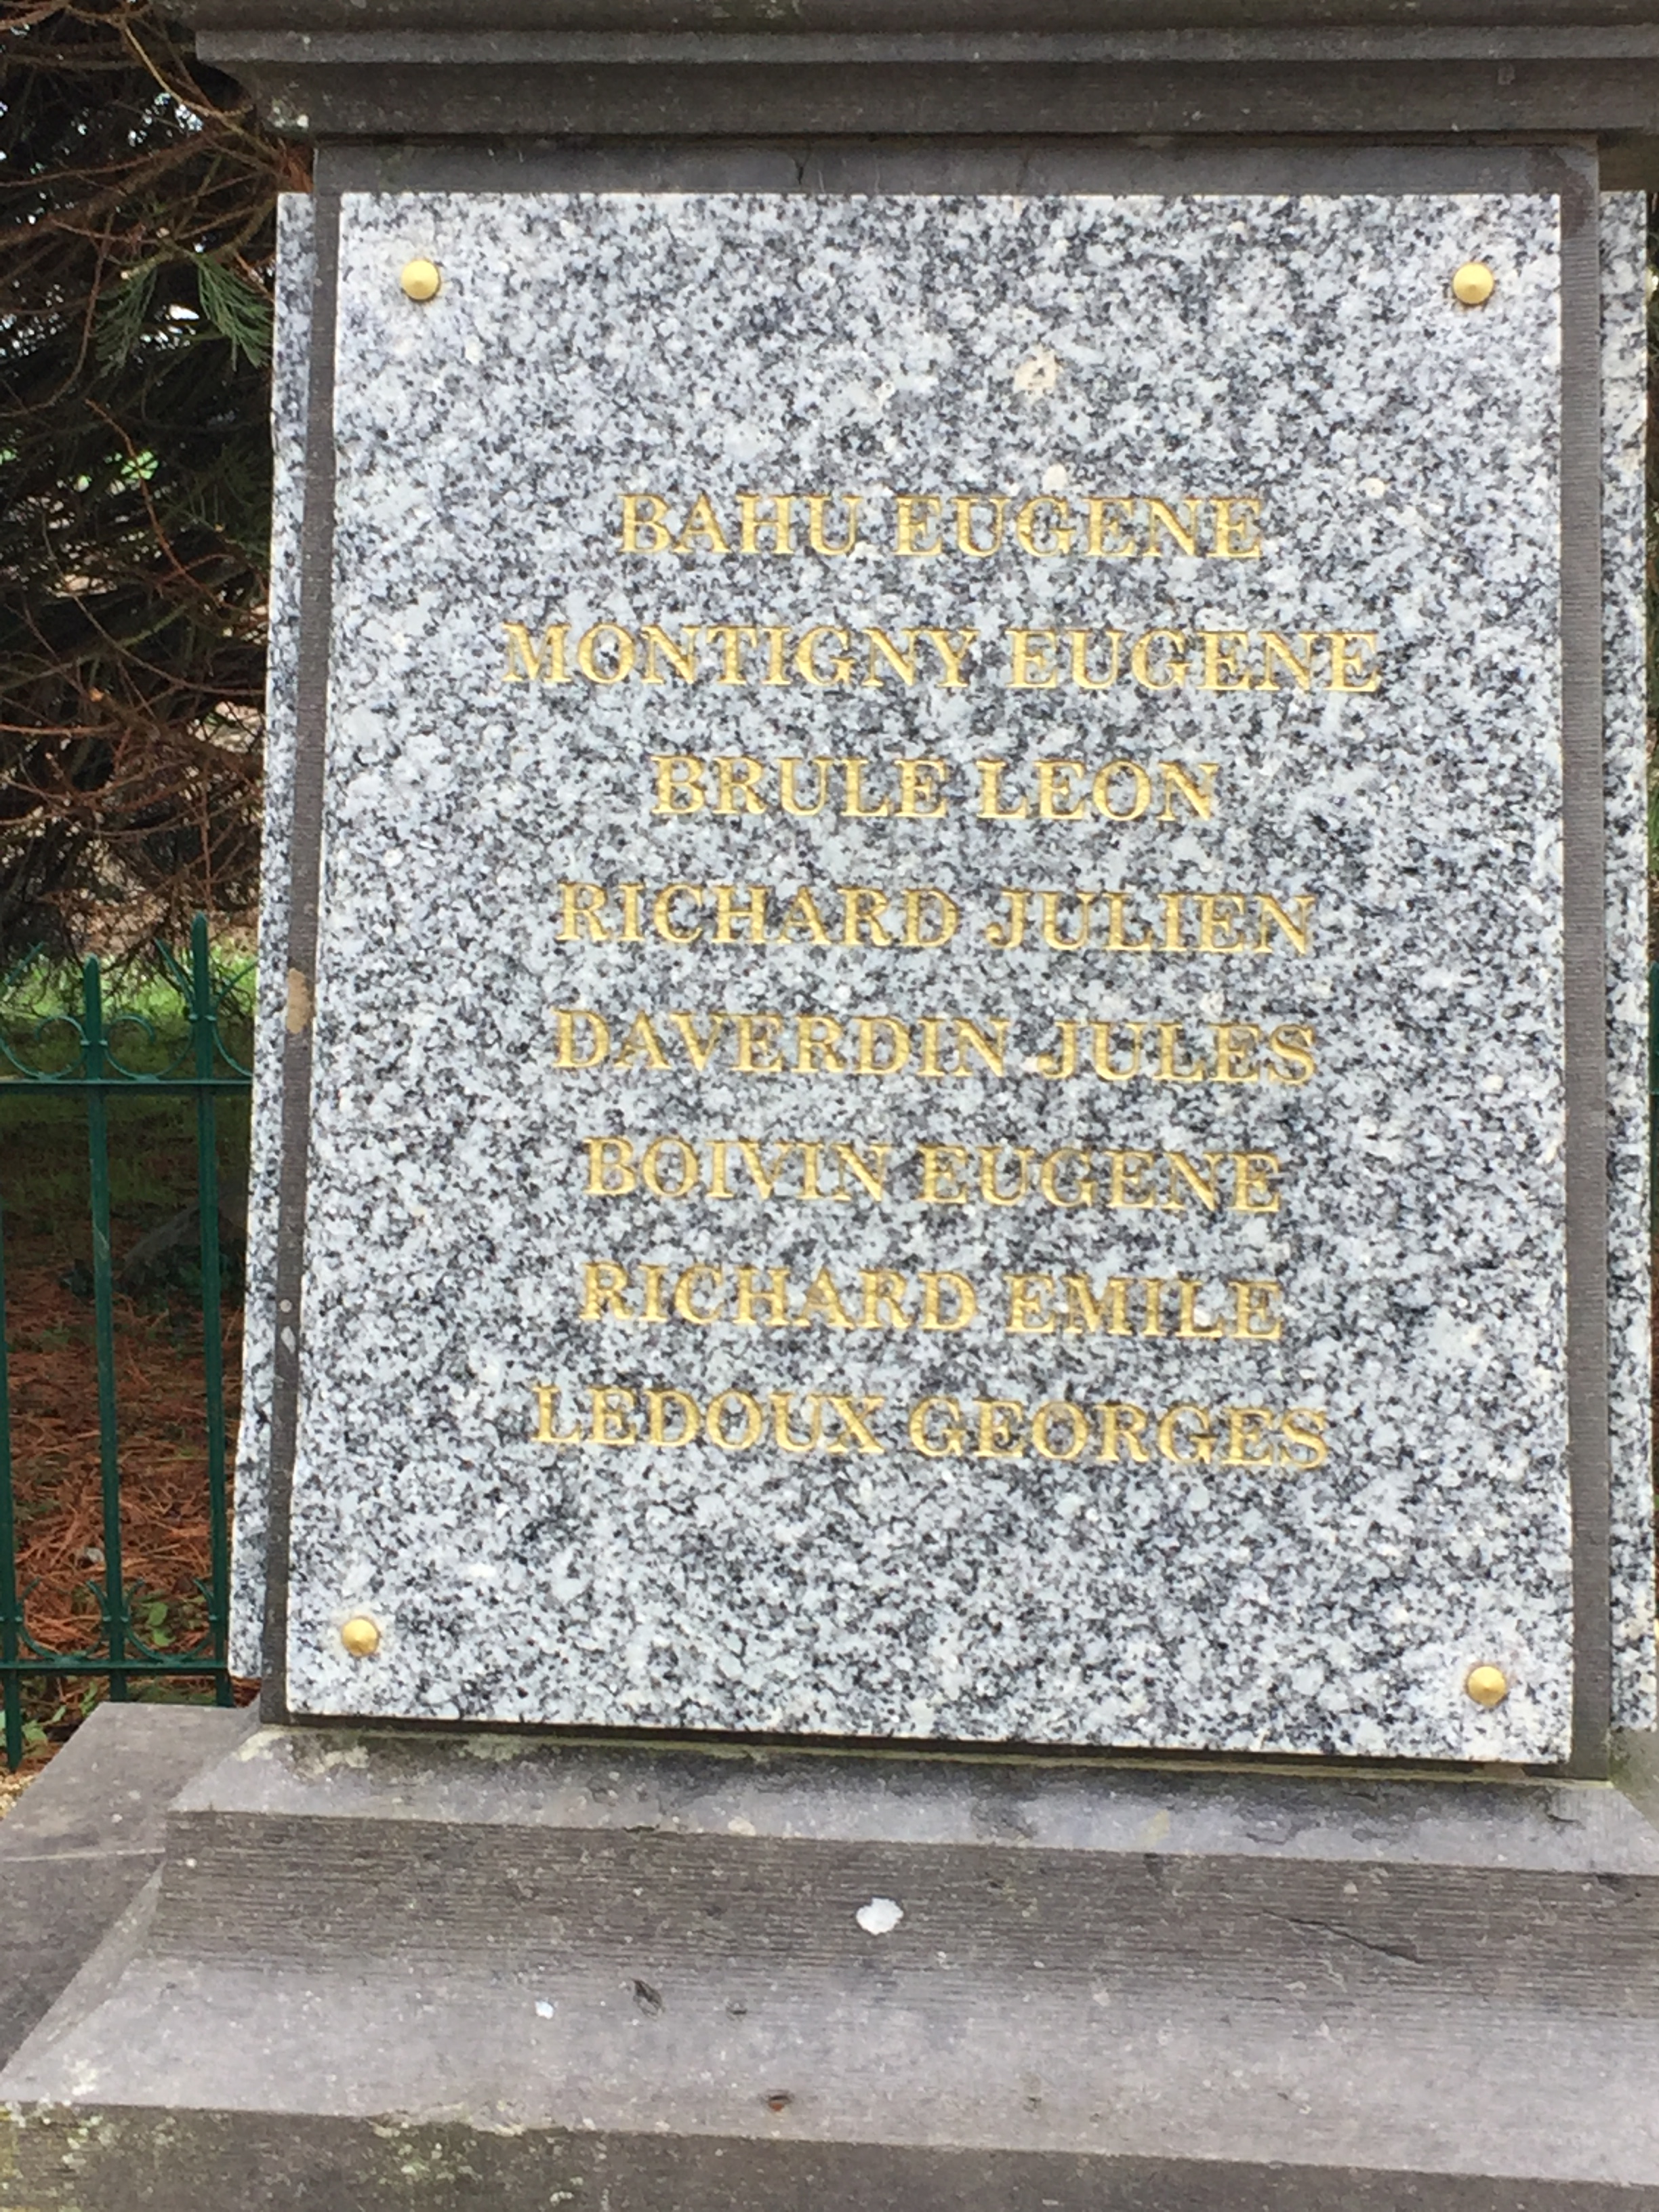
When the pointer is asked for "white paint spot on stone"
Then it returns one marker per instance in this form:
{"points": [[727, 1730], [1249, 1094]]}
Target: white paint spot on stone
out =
{"points": [[1038, 373], [544, 2009], [880, 1916]]}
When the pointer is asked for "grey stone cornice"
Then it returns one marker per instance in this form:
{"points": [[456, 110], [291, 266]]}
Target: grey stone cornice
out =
{"points": [[677, 69]]}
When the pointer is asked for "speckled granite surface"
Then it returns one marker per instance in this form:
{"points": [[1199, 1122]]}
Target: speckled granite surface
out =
{"points": [[1624, 372], [1305, 353], [290, 378]]}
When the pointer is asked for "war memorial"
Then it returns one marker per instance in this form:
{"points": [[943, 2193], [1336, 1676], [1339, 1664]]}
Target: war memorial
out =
{"points": [[947, 1492]]}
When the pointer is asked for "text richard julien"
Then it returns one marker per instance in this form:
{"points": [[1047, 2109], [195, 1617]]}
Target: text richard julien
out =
{"points": [[1153, 923]]}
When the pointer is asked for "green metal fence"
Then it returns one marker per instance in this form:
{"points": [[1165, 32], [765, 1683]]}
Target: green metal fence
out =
{"points": [[88, 1054]]}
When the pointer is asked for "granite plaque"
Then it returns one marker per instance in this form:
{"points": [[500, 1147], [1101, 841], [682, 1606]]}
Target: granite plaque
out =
{"points": [[937, 1096]]}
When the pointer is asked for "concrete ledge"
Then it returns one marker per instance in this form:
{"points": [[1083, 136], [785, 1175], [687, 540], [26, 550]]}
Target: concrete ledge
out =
{"points": [[257, 2164], [482, 1969], [78, 1846]]}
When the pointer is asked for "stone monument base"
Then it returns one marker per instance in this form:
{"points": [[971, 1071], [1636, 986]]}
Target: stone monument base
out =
{"points": [[471, 1970]]}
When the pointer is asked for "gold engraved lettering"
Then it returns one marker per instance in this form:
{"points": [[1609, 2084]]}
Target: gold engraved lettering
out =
{"points": [[668, 925], [995, 1187], [774, 523], [1049, 909], [1249, 1437], [948, 1301], [699, 1049], [1354, 661], [1161, 517], [900, 660], [605, 1287], [1198, 796], [639, 1046], [1237, 529], [1043, 527], [528, 662], [802, 921], [613, 1415], [547, 1412], [883, 1044], [1293, 1045], [660, 647], [584, 1048], [967, 508], [817, 508], [916, 520], [702, 532], [1122, 1431], [944, 1175], [732, 637], [1170, 671], [806, 663], [1059, 1414], [1110, 528], [644, 523], [611, 1167], [1256, 1315], [935, 1428], [1058, 798], [604, 654], [738, 922], [758, 1038], [1085, 678], [853, 806], [1032, 660], [1276, 652], [1000, 1429], [955, 656], [1224, 668], [751, 1421], [1186, 1436], [1005, 935], [675, 1154], [1030, 1305], [1304, 1438], [581, 910], [863, 908], [680, 786], [664, 1407], [789, 799], [939, 1047], [991, 808]]}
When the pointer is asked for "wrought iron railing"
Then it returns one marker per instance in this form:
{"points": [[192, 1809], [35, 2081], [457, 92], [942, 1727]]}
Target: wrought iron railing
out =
{"points": [[89, 1055]]}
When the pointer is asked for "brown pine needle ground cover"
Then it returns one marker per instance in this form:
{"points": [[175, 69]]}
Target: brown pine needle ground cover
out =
{"points": [[159, 1380]]}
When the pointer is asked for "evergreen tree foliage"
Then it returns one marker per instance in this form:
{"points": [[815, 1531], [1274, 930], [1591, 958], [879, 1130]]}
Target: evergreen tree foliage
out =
{"points": [[137, 197]]}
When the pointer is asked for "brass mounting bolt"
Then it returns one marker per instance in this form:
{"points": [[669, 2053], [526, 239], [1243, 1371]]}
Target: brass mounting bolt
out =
{"points": [[422, 280], [1474, 284]]}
